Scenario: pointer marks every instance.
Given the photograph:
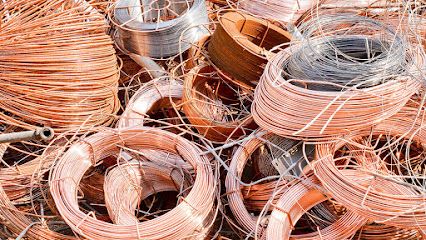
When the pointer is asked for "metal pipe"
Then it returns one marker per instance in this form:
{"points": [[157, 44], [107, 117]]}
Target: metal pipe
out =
{"points": [[44, 133]]}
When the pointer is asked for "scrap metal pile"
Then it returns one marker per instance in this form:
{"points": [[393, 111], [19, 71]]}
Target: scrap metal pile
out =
{"points": [[220, 119]]}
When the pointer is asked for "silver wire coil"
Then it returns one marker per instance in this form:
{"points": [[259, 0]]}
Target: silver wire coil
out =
{"points": [[159, 28]]}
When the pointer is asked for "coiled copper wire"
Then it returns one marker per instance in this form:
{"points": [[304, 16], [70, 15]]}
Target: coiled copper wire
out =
{"points": [[128, 184], [219, 110], [292, 111], [365, 185], [188, 219], [244, 39], [280, 10], [63, 74], [260, 194], [385, 232], [155, 93], [295, 202]]}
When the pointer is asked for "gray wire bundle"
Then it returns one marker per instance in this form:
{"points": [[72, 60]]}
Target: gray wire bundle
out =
{"points": [[347, 50], [158, 28]]}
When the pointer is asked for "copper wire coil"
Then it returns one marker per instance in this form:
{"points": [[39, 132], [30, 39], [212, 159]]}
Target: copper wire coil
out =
{"points": [[280, 10], [63, 74], [216, 108], [187, 219], [242, 199], [241, 36], [295, 202], [368, 187], [289, 110], [128, 184], [384, 232], [158, 92]]}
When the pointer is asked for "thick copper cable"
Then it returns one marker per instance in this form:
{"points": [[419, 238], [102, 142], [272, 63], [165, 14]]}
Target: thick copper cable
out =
{"points": [[295, 202], [63, 74], [369, 189], [188, 219], [128, 184], [205, 105], [240, 44], [292, 111], [262, 193], [280, 10], [154, 94]]}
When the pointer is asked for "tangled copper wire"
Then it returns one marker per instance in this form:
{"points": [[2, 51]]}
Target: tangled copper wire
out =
{"points": [[63, 74], [192, 215]]}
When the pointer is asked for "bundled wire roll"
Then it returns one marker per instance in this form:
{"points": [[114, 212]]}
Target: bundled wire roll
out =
{"points": [[156, 28], [189, 218], [290, 155], [384, 232], [246, 40], [63, 74], [386, 188], [326, 86], [295, 202], [158, 92], [219, 110], [280, 10], [128, 184]]}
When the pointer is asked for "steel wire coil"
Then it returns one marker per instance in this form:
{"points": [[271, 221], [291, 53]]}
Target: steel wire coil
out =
{"points": [[158, 29], [367, 186], [219, 110], [128, 184], [295, 201], [241, 36], [266, 192], [188, 219], [285, 108], [280, 10], [63, 74], [157, 92]]}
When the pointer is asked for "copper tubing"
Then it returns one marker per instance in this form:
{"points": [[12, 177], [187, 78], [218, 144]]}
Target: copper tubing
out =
{"points": [[240, 44], [295, 202], [368, 189], [284, 11], [189, 218], [295, 112], [129, 183], [205, 100], [63, 74], [158, 92]]}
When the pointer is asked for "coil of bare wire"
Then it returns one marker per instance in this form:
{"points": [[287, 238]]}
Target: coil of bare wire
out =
{"points": [[299, 198], [158, 29], [20, 223], [372, 187], [63, 74], [218, 109], [382, 232], [128, 184], [346, 91], [242, 36], [187, 219], [263, 193], [147, 97], [280, 10]]}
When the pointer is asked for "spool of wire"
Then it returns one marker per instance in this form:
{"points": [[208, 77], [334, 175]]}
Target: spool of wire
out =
{"points": [[158, 28]]}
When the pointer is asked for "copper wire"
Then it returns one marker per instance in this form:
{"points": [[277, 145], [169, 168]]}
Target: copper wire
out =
{"points": [[290, 110], [219, 110], [295, 202], [157, 92], [241, 36], [63, 74], [188, 219], [366, 186], [279, 10]]}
